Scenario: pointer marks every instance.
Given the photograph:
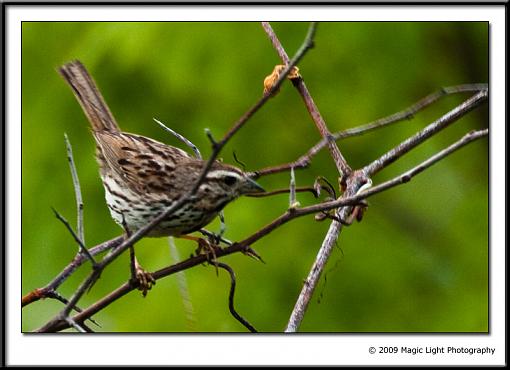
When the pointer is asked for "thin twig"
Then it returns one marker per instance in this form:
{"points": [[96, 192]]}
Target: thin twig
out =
{"points": [[77, 191], [409, 112], [181, 138], [78, 260], [55, 295], [405, 114], [231, 297], [407, 176], [436, 126], [76, 326], [365, 173], [215, 236], [293, 203], [343, 168], [298, 189], [81, 246]]}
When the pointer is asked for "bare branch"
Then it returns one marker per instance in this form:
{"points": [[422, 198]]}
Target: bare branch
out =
{"points": [[298, 189], [76, 326], [443, 122], [77, 191], [78, 260], [293, 203], [405, 114], [407, 176], [55, 295], [313, 277], [181, 138], [409, 112], [343, 168], [81, 246], [231, 297]]}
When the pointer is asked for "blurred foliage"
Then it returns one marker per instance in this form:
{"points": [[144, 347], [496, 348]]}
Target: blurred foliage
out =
{"points": [[417, 263]]}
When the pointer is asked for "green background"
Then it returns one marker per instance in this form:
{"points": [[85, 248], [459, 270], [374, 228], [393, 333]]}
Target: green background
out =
{"points": [[417, 263]]}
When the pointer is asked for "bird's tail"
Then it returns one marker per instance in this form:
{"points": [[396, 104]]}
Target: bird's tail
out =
{"points": [[89, 97]]}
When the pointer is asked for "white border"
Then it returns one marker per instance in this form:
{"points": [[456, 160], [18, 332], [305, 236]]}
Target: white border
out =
{"points": [[249, 349]]}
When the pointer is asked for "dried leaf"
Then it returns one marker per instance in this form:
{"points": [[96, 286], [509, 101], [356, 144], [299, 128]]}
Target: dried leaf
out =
{"points": [[271, 79]]}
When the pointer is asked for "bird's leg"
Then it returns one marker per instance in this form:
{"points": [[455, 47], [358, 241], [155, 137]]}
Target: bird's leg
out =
{"points": [[139, 276], [143, 279], [206, 247]]}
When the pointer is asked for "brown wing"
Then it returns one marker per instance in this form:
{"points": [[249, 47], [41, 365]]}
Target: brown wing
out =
{"points": [[146, 165]]}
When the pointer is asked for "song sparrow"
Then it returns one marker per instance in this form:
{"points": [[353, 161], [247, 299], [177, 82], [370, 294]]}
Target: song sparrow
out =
{"points": [[142, 177]]}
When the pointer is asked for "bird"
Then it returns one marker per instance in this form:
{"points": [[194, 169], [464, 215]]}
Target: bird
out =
{"points": [[142, 177]]}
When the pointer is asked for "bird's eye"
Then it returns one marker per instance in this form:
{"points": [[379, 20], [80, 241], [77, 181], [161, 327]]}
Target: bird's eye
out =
{"points": [[230, 180]]}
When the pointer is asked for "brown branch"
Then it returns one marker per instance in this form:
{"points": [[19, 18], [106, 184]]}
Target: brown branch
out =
{"points": [[82, 247], [409, 112], [343, 168], [313, 277], [78, 260], [405, 114], [426, 133]]}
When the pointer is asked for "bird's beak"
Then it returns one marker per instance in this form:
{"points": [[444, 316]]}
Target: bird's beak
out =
{"points": [[250, 187]]}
